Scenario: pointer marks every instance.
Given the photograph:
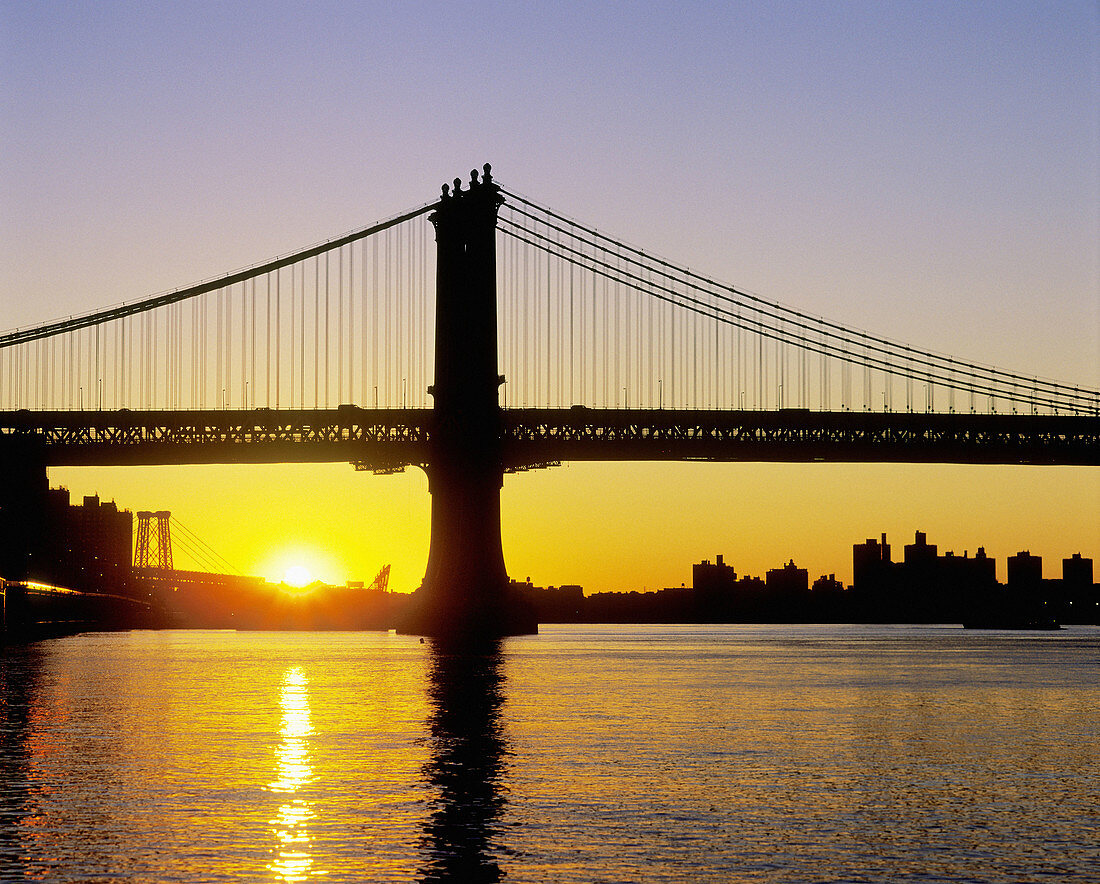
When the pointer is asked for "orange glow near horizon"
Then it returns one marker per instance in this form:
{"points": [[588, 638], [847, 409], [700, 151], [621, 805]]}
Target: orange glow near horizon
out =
{"points": [[300, 564], [618, 526]]}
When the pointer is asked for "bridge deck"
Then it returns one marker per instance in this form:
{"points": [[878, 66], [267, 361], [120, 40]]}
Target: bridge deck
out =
{"points": [[389, 438]]}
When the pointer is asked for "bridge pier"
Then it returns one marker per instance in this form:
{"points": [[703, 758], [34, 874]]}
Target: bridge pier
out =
{"points": [[23, 509], [466, 594]]}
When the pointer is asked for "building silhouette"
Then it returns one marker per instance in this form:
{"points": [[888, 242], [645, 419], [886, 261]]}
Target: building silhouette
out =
{"points": [[870, 562], [714, 587], [790, 580], [91, 543], [1077, 572], [45, 538], [1025, 570]]}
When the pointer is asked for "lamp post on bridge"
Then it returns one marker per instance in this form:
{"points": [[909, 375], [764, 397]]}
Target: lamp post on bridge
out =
{"points": [[465, 593]]}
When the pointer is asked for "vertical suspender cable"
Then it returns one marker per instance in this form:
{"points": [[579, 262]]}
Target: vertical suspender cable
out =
{"points": [[350, 373], [278, 331], [220, 350], [363, 296], [328, 313], [536, 368], [399, 315], [293, 328], [316, 356], [425, 334], [527, 330], [339, 325], [549, 330], [374, 297], [302, 338], [152, 361], [572, 339], [267, 342], [615, 349]]}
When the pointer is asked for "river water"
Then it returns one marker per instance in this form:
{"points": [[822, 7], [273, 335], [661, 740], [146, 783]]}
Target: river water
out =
{"points": [[584, 754]]}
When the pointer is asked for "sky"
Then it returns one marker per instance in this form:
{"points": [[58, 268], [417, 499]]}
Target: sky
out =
{"points": [[927, 171]]}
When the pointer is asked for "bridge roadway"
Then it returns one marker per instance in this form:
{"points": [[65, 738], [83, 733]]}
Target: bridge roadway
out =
{"points": [[388, 439]]}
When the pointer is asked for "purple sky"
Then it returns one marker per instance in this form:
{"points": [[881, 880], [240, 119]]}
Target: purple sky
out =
{"points": [[927, 170]]}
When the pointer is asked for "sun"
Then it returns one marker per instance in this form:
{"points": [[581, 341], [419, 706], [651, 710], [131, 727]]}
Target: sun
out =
{"points": [[301, 566], [297, 576]]}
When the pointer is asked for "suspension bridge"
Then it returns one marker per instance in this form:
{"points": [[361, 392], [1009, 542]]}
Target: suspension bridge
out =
{"points": [[523, 339]]}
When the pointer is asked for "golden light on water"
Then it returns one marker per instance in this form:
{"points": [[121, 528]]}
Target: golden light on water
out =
{"points": [[294, 770]]}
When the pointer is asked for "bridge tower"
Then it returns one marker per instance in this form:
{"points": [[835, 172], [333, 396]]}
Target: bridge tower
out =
{"points": [[161, 541], [465, 593]]}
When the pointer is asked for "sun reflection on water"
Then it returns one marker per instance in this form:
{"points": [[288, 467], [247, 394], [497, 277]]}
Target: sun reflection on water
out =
{"points": [[293, 859]]}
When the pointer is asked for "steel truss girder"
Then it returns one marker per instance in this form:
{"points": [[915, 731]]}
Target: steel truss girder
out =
{"points": [[390, 436], [386, 439], [798, 435]]}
